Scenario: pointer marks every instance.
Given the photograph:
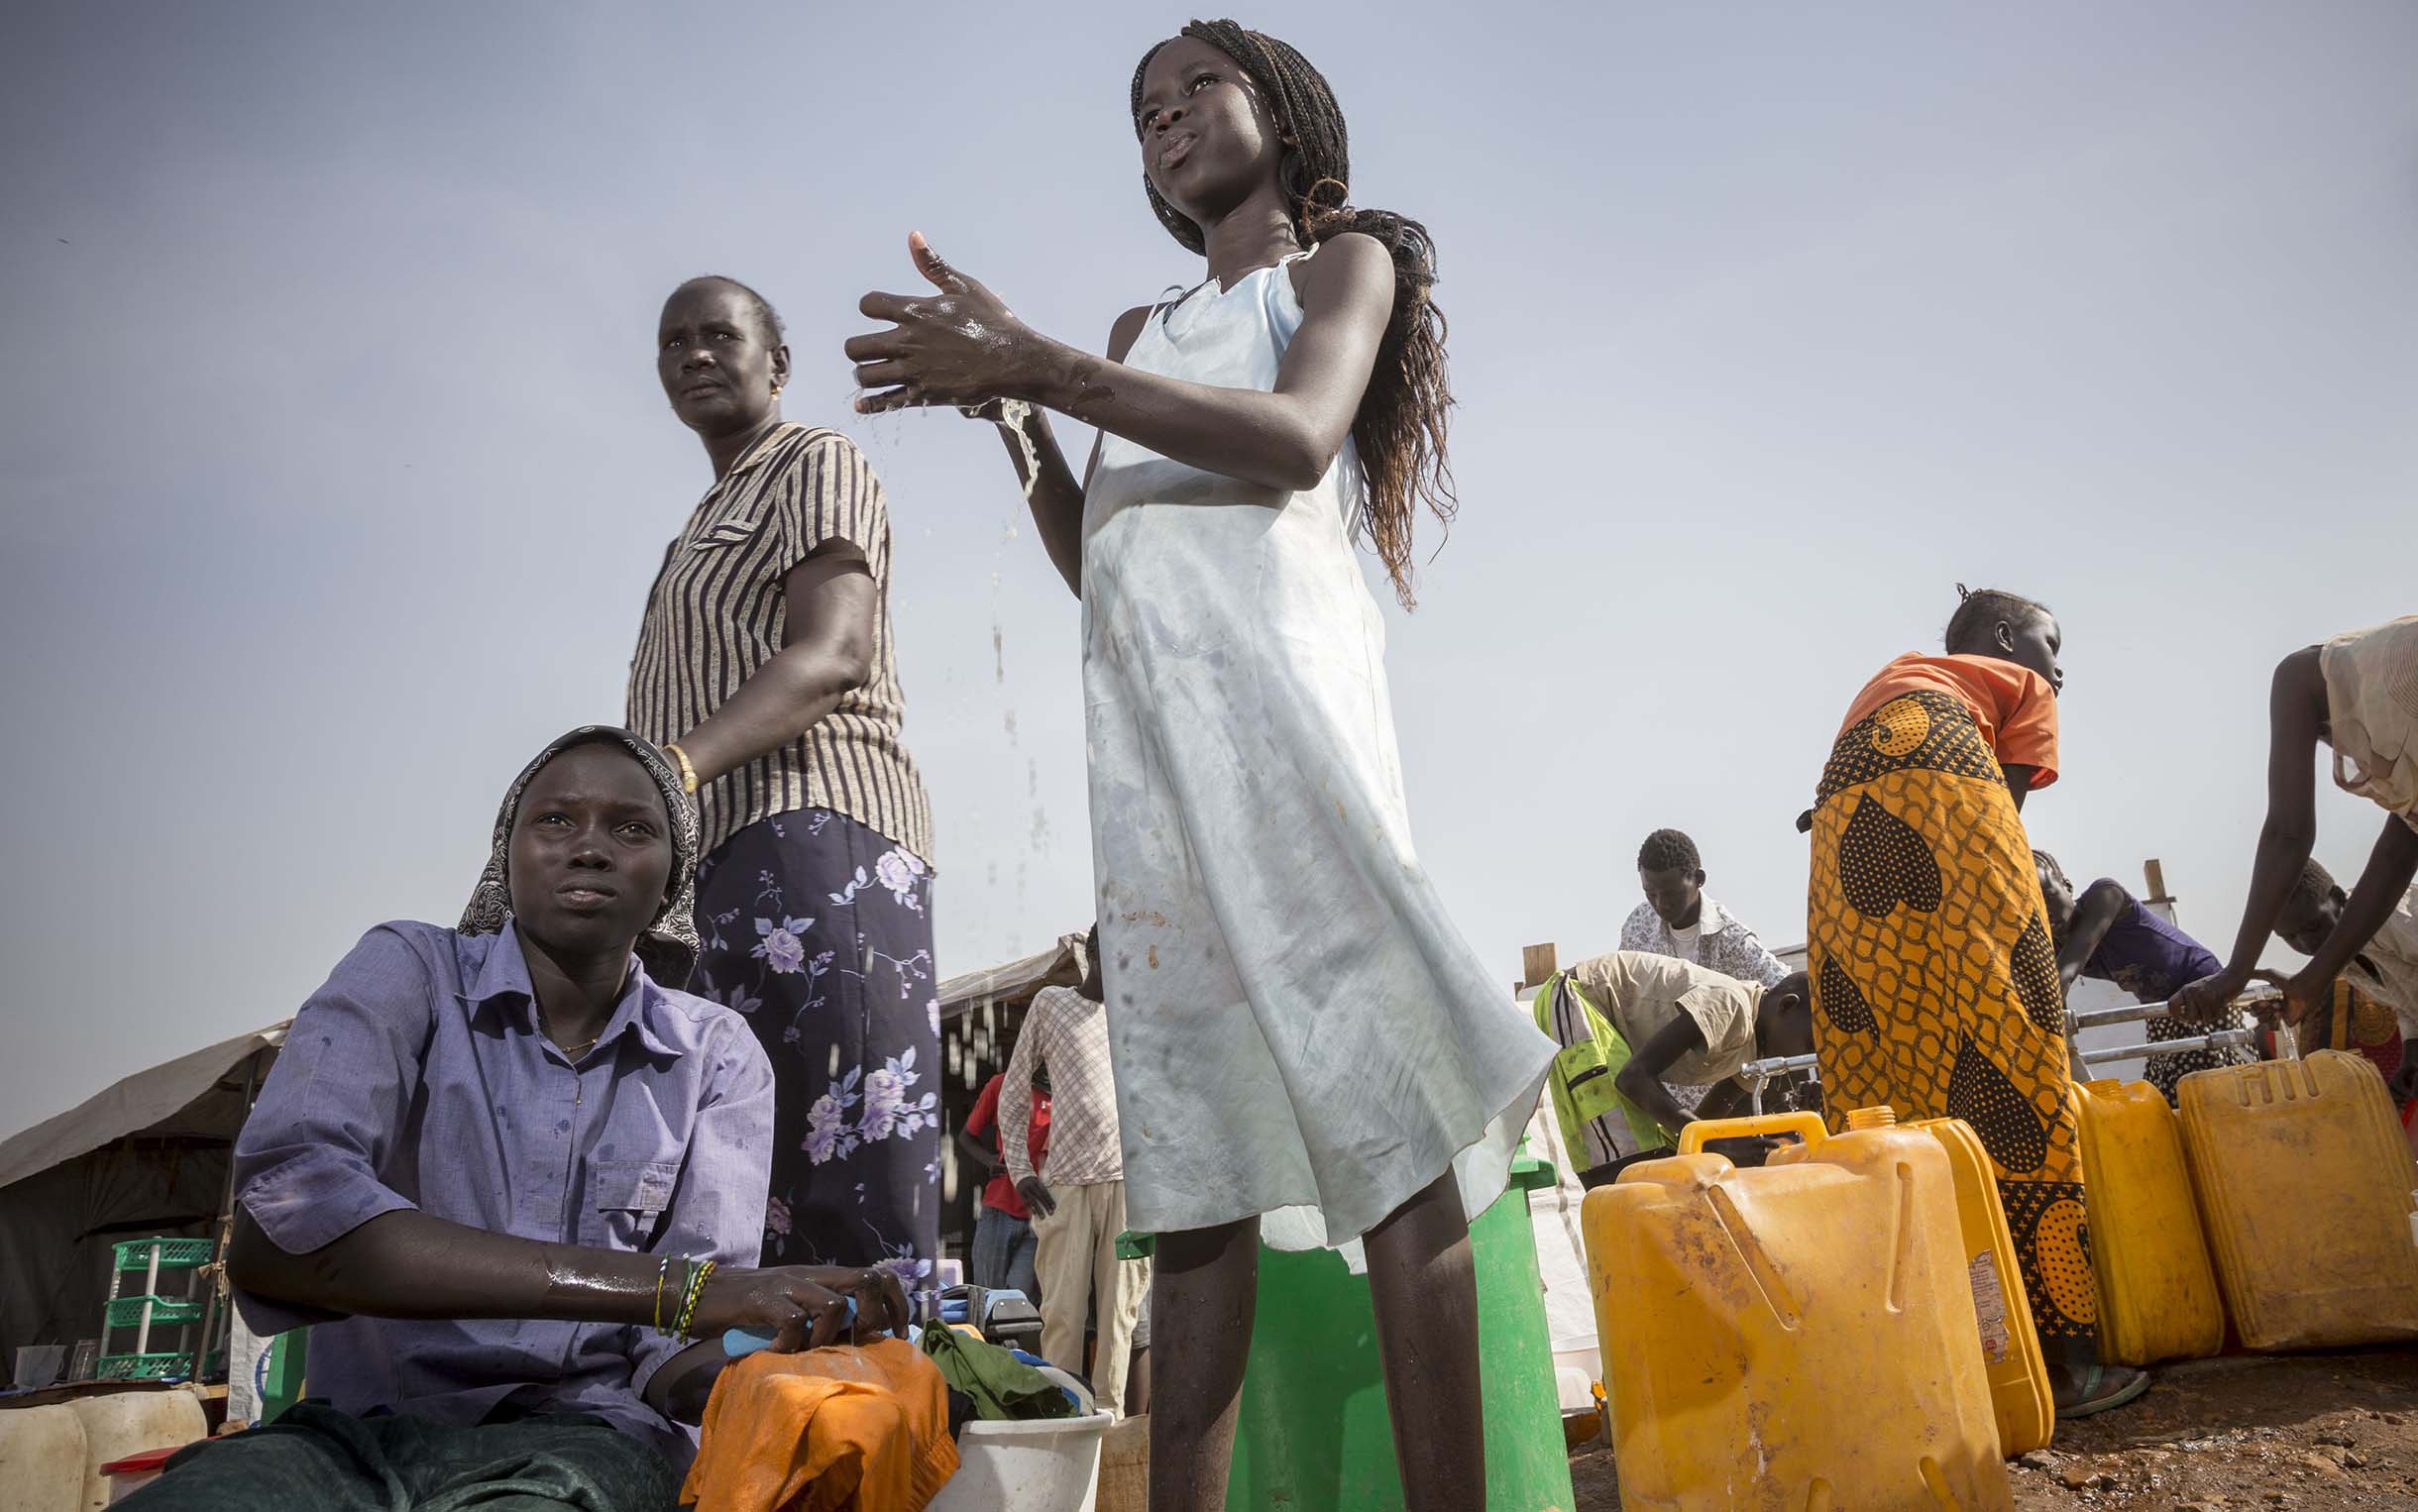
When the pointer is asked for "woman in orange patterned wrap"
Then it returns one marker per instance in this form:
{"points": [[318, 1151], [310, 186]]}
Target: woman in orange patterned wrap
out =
{"points": [[1935, 987]]}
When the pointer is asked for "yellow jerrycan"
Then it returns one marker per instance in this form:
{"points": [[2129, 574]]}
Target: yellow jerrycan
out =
{"points": [[2304, 1186], [2009, 1345], [2157, 1289], [1798, 1336]]}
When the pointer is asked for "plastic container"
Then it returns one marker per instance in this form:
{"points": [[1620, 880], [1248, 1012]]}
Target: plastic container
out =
{"points": [[1801, 1336], [2157, 1287], [43, 1451], [171, 1365], [128, 1423], [175, 1253], [166, 1311], [2019, 1400], [1051, 1465], [127, 1475], [37, 1366], [1314, 1435], [1125, 1467], [2304, 1186]]}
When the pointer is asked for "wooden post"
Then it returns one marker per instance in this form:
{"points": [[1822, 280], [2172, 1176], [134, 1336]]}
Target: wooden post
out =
{"points": [[1536, 963], [2155, 875]]}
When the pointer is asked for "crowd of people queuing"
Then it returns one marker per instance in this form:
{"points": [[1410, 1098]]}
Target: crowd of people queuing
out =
{"points": [[675, 1072]]}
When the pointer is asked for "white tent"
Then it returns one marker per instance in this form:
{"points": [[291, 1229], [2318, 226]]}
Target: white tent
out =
{"points": [[147, 1156]]}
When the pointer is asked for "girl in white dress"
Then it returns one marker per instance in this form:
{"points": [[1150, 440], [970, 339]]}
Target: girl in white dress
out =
{"points": [[1306, 1051]]}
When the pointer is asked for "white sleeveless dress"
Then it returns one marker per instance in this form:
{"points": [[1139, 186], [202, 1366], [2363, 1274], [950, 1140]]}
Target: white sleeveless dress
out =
{"points": [[1297, 1029]]}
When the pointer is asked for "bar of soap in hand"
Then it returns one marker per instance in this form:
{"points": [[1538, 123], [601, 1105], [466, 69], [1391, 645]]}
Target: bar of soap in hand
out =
{"points": [[741, 1342]]}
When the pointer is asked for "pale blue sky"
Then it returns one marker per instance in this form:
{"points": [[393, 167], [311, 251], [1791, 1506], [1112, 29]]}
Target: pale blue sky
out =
{"points": [[335, 468]]}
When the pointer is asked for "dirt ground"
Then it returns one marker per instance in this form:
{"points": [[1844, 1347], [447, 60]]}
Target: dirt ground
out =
{"points": [[2241, 1434]]}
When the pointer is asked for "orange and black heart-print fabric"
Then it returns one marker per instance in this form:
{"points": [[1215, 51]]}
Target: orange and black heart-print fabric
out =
{"points": [[1934, 979]]}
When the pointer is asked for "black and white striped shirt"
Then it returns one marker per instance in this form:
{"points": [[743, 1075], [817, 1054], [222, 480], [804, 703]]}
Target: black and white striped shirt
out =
{"points": [[717, 614]]}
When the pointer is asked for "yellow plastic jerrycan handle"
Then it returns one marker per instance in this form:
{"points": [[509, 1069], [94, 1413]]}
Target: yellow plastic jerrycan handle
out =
{"points": [[1805, 1125]]}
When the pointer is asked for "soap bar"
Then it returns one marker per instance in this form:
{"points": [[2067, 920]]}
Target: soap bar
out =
{"points": [[739, 1343]]}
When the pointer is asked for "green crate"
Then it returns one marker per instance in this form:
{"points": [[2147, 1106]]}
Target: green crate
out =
{"points": [[175, 1253], [167, 1312], [144, 1367]]}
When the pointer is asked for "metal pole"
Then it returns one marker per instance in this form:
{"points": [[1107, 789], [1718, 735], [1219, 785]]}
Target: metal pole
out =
{"points": [[224, 1226], [1757, 1074], [2221, 1040], [2079, 1019]]}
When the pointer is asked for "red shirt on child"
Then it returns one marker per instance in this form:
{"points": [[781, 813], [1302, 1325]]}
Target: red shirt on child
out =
{"points": [[1000, 1194]]}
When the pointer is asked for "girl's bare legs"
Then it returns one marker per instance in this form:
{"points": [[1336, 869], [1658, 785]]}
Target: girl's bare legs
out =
{"points": [[1204, 1291], [1425, 1287]]}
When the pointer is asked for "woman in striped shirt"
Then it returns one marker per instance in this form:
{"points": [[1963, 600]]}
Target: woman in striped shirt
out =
{"points": [[764, 667]]}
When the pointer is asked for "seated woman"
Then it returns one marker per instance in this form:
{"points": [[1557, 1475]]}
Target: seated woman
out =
{"points": [[510, 1172], [2106, 933]]}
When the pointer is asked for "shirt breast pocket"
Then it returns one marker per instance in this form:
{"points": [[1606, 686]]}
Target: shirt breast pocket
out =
{"points": [[630, 1197], [726, 535]]}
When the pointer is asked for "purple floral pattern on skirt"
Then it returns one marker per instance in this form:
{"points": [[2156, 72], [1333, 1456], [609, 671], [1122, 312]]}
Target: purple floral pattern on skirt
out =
{"points": [[820, 931]]}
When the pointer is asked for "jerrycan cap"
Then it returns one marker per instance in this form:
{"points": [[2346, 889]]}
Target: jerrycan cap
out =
{"points": [[1871, 1117]]}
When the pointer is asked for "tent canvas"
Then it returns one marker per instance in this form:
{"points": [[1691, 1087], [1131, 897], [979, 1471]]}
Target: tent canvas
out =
{"points": [[1014, 984], [147, 1156]]}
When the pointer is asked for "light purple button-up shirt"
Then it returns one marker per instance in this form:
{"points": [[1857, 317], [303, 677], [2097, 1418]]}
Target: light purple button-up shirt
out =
{"points": [[418, 1078]]}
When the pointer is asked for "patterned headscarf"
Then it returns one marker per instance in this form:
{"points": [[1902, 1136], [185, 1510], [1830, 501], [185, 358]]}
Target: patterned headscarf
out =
{"points": [[668, 948]]}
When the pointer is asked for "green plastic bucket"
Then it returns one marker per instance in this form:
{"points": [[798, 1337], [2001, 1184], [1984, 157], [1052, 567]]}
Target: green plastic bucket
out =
{"points": [[1313, 1435]]}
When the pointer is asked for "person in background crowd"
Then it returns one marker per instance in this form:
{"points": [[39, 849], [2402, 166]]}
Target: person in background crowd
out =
{"points": [[1005, 1249], [2358, 694], [1631, 1022], [1077, 1196], [2107, 935], [1935, 987], [513, 1177], [764, 668], [2380, 1017], [1680, 919]]}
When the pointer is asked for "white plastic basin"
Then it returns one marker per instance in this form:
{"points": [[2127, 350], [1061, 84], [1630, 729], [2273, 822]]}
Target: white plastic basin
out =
{"points": [[1051, 1465]]}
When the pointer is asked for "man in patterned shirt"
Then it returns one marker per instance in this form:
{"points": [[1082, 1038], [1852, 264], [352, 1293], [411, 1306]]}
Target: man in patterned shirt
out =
{"points": [[1678, 919], [1078, 1209]]}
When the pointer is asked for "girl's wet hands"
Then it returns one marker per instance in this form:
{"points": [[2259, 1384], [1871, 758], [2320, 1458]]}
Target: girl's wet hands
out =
{"points": [[960, 345]]}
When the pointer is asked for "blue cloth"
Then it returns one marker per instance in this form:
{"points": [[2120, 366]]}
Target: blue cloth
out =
{"points": [[1006, 1254], [418, 1078]]}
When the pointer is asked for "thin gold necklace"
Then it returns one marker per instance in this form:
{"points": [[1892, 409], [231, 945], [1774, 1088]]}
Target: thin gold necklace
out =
{"points": [[570, 1052]]}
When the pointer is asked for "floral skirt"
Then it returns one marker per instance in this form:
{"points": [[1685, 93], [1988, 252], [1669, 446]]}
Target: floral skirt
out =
{"points": [[820, 931]]}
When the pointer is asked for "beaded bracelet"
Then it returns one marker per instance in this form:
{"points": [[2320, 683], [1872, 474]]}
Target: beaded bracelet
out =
{"points": [[663, 1270], [694, 1289]]}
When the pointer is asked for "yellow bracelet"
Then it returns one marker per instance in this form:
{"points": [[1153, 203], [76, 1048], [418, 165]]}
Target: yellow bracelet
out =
{"points": [[663, 1269], [696, 1291], [688, 772]]}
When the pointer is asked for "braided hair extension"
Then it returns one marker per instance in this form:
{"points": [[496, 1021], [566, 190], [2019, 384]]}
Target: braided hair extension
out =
{"points": [[1399, 429], [1978, 609]]}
